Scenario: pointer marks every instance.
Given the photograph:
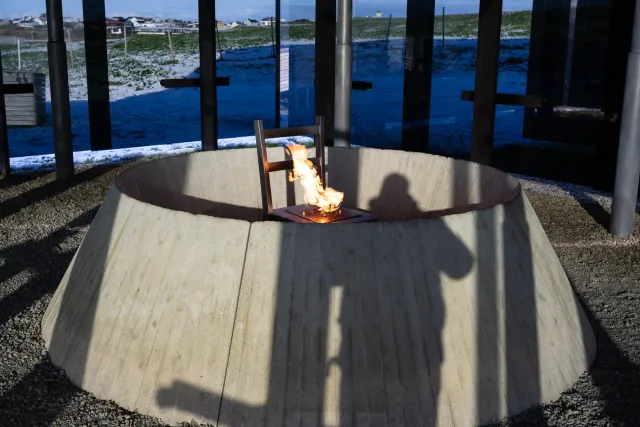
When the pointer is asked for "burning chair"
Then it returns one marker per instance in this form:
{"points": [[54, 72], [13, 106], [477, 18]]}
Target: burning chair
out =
{"points": [[323, 204]]}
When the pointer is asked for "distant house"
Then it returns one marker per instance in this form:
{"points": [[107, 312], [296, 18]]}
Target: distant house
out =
{"points": [[29, 22], [236, 24], [4, 22], [135, 21], [219, 25], [378, 14], [269, 19], [251, 23]]}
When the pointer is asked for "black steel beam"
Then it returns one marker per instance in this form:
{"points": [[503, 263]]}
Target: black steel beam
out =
{"points": [[278, 58], [527, 101], [59, 82], [484, 105], [18, 88], [4, 137], [208, 91], [95, 37], [619, 46], [181, 83], [325, 66], [416, 104], [358, 85]]}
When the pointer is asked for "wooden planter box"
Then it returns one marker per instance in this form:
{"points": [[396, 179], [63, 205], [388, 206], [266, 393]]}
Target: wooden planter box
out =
{"points": [[26, 109]]}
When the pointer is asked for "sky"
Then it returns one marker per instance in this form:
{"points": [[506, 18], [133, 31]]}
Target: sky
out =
{"points": [[229, 10]]}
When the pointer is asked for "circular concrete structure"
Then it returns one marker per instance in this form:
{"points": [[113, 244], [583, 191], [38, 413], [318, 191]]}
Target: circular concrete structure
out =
{"points": [[452, 310]]}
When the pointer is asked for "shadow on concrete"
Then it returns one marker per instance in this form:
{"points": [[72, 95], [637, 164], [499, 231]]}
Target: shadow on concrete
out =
{"points": [[383, 319]]}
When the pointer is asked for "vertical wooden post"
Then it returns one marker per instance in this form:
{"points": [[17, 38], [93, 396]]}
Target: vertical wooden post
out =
{"points": [[443, 26], [484, 107], [218, 40], [208, 90], [171, 56], [125, 41], [19, 54], [70, 45]]}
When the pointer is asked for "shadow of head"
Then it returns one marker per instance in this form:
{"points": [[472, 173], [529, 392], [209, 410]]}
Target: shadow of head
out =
{"points": [[432, 238], [394, 200]]}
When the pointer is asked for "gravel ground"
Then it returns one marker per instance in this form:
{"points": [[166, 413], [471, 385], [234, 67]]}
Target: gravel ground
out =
{"points": [[41, 226]]}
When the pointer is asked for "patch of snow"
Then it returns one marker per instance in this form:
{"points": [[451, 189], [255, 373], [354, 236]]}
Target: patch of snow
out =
{"points": [[113, 157]]}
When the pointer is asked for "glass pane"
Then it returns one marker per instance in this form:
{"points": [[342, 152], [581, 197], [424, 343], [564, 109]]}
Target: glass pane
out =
{"points": [[297, 53], [454, 69], [563, 64], [247, 48], [378, 57], [23, 42], [143, 50]]}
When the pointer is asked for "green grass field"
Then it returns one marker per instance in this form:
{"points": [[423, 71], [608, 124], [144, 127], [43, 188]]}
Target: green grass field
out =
{"points": [[150, 54]]}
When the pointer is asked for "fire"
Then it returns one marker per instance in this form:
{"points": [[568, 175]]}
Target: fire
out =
{"points": [[326, 199]]}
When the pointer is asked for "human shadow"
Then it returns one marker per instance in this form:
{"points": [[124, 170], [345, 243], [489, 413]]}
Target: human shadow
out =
{"points": [[357, 323]]}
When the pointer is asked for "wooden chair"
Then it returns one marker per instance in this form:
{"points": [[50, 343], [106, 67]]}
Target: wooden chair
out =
{"points": [[267, 167]]}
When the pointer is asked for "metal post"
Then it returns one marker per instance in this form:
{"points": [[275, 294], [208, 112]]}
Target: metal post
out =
{"points": [[486, 84], [95, 38], [342, 123], [4, 137], [325, 70], [625, 196], [19, 55], [59, 81], [208, 90]]}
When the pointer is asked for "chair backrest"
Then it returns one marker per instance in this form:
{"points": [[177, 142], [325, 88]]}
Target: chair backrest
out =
{"points": [[265, 167]]}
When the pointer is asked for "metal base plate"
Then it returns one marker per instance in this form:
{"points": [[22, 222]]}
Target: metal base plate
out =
{"points": [[308, 214]]}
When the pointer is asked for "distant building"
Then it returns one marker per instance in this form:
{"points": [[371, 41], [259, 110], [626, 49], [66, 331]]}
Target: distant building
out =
{"points": [[236, 24], [269, 19], [219, 25], [4, 22], [378, 14], [29, 22], [251, 23]]}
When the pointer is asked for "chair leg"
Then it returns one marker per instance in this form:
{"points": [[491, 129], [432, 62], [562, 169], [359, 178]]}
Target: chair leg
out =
{"points": [[263, 166]]}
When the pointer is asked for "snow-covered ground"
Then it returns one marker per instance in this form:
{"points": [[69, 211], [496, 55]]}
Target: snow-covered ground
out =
{"points": [[143, 113]]}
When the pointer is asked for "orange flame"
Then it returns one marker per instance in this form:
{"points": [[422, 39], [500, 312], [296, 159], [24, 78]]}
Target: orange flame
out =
{"points": [[326, 199]]}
